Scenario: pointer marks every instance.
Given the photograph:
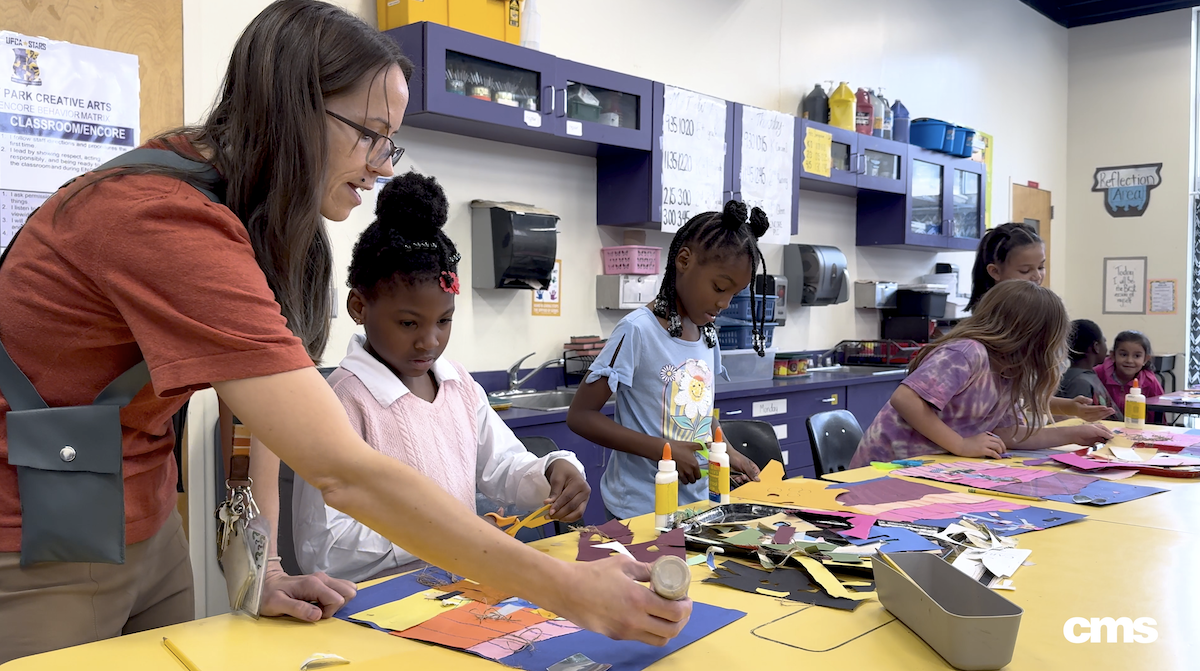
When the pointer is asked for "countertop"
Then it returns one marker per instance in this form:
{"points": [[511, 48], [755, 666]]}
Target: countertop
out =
{"points": [[847, 376]]}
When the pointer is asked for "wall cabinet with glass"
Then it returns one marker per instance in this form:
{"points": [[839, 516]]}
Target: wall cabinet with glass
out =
{"points": [[854, 161], [476, 86], [942, 207]]}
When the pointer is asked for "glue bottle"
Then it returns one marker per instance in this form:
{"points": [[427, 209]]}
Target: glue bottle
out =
{"points": [[718, 469], [666, 490], [1135, 407]]}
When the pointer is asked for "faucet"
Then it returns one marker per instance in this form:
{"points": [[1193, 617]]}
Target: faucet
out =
{"points": [[515, 382]]}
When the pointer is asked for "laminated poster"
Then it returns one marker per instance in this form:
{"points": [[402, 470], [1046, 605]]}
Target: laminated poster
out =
{"points": [[1125, 285], [693, 154], [64, 109], [768, 140]]}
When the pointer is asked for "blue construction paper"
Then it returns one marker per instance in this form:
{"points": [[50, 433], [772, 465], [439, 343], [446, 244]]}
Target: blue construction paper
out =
{"points": [[896, 539], [376, 595], [1111, 492], [624, 655], [1038, 518]]}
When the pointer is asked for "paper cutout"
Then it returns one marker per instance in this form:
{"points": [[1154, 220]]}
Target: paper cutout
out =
{"points": [[980, 474], [938, 506], [617, 531], [883, 490], [1005, 562], [771, 488], [1011, 523], [1106, 473], [379, 594], [504, 646], [784, 534], [860, 525], [579, 662], [1083, 463], [670, 543], [1159, 437], [831, 584], [469, 626], [896, 539], [588, 539], [745, 538], [695, 560], [1110, 493], [476, 592], [615, 546], [710, 557], [1128, 454], [1053, 483], [794, 582], [404, 613]]}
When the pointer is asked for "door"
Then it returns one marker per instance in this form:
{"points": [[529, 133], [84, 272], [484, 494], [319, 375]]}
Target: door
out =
{"points": [[602, 106], [926, 223], [965, 208], [1033, 207], [882, 164]]}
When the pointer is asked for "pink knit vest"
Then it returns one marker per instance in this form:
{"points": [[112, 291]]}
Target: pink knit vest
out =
{"points": [[439, 439]]}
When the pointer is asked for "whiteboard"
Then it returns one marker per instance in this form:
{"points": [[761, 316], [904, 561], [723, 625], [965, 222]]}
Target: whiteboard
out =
{"points": [[768, 142], [693, 150], [1125, 285]]}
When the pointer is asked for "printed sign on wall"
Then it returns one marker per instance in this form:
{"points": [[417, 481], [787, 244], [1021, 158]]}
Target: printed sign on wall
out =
{"points": [[1125, 285], [548, 302], [1127, 188]]}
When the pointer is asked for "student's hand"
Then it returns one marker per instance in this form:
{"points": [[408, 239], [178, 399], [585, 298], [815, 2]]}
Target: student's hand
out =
{"points": [[604, 598], [1088, 434], [686, 463], [983, 445], [746, 470], [569, 491], [284, 594], [1088, 412]]}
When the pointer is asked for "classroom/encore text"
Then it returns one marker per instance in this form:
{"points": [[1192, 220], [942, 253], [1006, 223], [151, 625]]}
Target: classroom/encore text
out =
{"points": [[1084, 630]]}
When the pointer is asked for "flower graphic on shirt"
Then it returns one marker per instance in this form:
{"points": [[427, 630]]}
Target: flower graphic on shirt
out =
{"points": [[687, 400]]}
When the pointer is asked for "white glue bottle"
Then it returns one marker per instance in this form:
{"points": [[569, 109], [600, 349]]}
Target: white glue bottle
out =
{"points": [[1135, 407], [718, 469], [666, 491]]}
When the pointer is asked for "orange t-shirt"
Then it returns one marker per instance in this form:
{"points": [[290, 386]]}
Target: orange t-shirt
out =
{"points": [[135, 262]]}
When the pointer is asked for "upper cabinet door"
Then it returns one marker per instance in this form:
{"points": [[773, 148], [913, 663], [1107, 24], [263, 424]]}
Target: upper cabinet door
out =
{"points": [[461, 75], [966, 207], [882, 164], [828, 157], [602, 106], [927, 220]]}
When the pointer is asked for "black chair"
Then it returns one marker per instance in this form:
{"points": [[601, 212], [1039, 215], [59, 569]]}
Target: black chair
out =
{"points": [[540, 446], [755, 439], [834, 436]]}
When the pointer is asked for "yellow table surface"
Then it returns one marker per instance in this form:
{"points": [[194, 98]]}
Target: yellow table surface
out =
{"points": [[1135, 559]]}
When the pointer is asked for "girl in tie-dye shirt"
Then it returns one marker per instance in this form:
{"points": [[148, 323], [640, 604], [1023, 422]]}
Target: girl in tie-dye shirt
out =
{"points": [[985, 387]]}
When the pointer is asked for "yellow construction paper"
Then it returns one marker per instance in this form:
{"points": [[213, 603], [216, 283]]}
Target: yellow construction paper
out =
{"points": [[405, 613], [771, 592], [800, 492], [829, 581], [818, 152]]}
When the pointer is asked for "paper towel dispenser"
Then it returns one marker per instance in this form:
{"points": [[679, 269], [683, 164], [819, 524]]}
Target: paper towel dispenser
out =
{"points": [[817, 273], [513, 246]]}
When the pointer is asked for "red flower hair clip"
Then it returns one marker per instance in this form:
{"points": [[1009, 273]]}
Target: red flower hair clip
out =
{"points": [[449, 282]]}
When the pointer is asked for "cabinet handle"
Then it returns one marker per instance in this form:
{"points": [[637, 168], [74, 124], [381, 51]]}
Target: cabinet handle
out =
{"points": [[832, 400], [563, 111], [548, 92], [862, 163], [731, 413]]}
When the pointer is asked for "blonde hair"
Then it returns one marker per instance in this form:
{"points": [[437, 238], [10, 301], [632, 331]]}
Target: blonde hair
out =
{"points": [[1024, 328]]}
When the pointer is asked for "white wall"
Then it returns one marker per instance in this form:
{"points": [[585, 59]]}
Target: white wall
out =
{"points": [[997, 66], [1129, 103]]}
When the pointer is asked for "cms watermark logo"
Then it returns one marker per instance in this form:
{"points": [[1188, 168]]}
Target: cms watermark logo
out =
{"points": [[1109, 630]]}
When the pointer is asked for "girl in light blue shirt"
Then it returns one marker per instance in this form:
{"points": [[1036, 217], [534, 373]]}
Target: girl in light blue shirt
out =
{"points": [[662, 361]]}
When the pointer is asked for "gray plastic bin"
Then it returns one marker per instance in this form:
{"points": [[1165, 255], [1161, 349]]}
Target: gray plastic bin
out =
{"points": [[969, 625]]}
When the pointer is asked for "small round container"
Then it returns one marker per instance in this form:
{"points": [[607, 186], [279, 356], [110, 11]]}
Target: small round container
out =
{"points": [[481, 92], [801, 365], [507, 98], [456, 86]]}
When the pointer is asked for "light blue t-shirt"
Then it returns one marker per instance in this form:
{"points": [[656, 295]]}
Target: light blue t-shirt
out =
{"points": [[664, 388]]}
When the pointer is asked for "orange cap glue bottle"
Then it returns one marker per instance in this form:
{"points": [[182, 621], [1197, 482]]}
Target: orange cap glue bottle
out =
{"points": [[666, 491]]}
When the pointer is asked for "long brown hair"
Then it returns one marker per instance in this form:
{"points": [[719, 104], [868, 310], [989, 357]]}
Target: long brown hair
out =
{"points": [[266, 134], [1024, 328]]}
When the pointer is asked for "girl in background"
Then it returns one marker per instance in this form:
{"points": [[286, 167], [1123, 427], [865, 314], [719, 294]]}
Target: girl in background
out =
{"points": [[411, 403], [1087, 350], [985, 387], [1131, 359], [1014, 251], [662, 361]]}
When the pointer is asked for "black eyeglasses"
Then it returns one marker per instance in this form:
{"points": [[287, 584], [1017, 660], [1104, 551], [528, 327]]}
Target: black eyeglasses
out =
{"points": [[381, 147]]}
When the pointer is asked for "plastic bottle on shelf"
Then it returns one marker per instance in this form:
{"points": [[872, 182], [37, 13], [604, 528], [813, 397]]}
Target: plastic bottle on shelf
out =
{"points": [[889, 117], [666, 490], [531, 25], [900, 121], [841, 107], [864, 112], [815, 106], [877, 115], [1135, 408]]}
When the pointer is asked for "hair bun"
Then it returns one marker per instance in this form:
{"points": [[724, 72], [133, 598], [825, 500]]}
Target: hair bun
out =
{"points": [[759, 224], [413, 204], [733, 215]]}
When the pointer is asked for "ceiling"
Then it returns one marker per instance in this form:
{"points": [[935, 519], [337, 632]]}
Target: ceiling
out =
{"points": [[1073, 13]]}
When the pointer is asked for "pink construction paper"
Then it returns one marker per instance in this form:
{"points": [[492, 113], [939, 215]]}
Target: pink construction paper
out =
{"points": [[861, 524], [982, 474], [1175, 440], [784, 534], [1084, 464], [941, 511], [503, 646]]}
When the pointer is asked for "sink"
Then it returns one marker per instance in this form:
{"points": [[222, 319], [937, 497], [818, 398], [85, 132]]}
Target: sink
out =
{"points": [[549, 401]]}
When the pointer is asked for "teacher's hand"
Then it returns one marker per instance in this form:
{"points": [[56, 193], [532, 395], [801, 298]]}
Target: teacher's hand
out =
{"points": [[284, 594], [605, 597]]}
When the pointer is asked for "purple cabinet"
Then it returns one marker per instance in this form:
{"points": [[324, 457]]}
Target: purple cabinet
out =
{"points": [[843, 168], [629, 181], [941, 208], [882, 164], [472, 85]]}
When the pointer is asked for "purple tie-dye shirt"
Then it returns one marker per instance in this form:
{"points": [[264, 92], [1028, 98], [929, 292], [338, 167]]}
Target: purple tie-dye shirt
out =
{"points": [[958, 381]]}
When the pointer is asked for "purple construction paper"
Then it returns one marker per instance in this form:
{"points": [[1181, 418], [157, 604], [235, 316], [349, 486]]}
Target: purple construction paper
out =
{"points": [[784, 534], [1111, 492], [1053, 484], [883, 490]]}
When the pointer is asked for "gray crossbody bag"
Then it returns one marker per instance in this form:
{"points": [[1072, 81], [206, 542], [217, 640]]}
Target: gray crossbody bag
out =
{"points": [[69, 459]]}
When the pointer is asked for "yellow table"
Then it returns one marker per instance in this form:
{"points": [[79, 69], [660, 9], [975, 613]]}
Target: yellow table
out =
{"points": [[1092, 568]]}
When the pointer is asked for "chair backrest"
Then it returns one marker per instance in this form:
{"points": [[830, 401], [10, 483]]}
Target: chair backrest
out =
{"points": [[834, 437], [540, 446], [755, 439]]}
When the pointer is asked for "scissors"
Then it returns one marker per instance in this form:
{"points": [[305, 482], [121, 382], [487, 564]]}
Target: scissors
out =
{"points": [[535, 519]]}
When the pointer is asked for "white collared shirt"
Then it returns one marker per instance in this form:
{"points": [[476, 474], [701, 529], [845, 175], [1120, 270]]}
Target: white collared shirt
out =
{"points": [[329, 540]]}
